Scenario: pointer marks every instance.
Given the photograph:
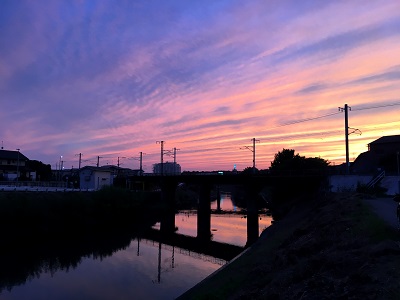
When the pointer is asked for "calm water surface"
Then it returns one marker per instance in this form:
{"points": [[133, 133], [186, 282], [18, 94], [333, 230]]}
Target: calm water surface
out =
{"points": [[225, 228], [144, 270], [124, 275]]}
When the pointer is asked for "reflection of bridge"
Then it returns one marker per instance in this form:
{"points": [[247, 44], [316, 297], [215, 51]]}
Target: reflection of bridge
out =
{"points": [[211, 251], [168, 184], [211, 248], [186, 252]]}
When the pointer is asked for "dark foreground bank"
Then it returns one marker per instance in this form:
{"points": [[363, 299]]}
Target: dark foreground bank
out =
{"points": [[333, 248], [54, 214]]}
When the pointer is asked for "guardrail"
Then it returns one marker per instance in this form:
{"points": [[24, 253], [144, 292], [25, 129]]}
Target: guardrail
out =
{"points": [[58, 184]]}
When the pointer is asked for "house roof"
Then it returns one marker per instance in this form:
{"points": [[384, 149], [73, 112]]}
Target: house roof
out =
{"points": [[386, 140], [12, 155]]}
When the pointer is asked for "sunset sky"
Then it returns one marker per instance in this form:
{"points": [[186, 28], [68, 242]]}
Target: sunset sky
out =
{"points": [[110, 78]]}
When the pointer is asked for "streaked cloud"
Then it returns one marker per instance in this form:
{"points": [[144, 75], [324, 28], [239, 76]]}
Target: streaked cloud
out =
{"points": [[110, 79]]}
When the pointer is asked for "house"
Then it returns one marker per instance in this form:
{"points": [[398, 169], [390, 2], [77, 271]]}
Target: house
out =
{"points": [[382, 154], [385, 145], [13, 165], [95, 178]]}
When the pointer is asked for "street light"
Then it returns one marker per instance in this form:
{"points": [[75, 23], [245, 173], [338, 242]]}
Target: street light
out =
{"points": [[18, 164], [59, 168]]}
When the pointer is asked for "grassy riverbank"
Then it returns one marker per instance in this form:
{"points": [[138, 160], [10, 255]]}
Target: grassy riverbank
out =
{"points": [[46, 213], [333, 248]]}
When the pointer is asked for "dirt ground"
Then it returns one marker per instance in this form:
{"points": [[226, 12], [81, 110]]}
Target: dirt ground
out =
{"points": [[333, 248]]}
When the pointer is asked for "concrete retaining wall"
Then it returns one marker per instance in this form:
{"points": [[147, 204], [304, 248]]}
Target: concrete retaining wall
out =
{"points": [[341, 183], [392, 184]]}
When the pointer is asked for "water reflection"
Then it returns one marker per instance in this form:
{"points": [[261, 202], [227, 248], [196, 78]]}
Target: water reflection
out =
{"points": [[228, 226], [145, 269], [124, 265], [226, 204], [225, 228]]}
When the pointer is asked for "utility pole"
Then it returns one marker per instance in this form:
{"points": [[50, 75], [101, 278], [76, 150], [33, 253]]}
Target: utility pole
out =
{"points": [[98, 161], [18, 164], [346, 109], [162, 156], [59, 169], [80, 160], [119, 158], [254, 152], [141, 160], [175, 159], [254, 155]]}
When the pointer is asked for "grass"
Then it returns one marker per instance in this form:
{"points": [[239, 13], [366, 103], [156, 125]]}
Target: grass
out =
{"points": [[369, 223], [247, 267], [334, 247]]}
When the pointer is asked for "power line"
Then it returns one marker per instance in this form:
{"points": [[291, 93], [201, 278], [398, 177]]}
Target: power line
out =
{"points": [[332, 114], [307, 119], [278, 137], [377, 106]]}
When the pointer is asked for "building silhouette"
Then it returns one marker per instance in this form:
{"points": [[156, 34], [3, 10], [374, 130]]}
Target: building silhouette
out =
{"points": [[13, 165], [382, 155], [167, 168]]}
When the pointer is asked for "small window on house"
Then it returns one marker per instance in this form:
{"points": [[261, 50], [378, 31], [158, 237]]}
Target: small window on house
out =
{"points": [[104, 179]]}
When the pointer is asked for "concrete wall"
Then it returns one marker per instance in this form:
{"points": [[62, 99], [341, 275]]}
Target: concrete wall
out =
{"points": [[392, 184], [340, 183]]}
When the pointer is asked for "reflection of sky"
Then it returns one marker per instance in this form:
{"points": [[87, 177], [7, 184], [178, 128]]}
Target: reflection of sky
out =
{"points": [[124, 275], [226, 228], [226, 203]]}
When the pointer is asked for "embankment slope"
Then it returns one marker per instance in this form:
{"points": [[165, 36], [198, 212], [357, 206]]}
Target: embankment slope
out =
{"points": [[333, 248]]}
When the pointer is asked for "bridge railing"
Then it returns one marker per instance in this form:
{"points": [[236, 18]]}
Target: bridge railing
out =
{"points": [[58, 184]]}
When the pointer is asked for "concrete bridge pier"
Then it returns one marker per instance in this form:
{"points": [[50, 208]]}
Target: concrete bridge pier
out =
{"points": [[204, 213], [167, 224], [252, 215], [218, 200]]}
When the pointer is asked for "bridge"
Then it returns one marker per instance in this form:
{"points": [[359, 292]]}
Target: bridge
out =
{"points": [[252, 185]]}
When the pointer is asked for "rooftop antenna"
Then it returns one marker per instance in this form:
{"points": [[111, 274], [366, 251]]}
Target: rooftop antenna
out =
{"points": [[2, 145]]}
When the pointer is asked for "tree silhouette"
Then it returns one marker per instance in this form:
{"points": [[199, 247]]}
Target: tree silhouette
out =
{"points": [[249, 171], [43, 171], [286, 160]]}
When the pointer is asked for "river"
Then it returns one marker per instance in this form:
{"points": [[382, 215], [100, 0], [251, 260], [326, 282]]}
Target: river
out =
{"points": [[139, 269]]}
